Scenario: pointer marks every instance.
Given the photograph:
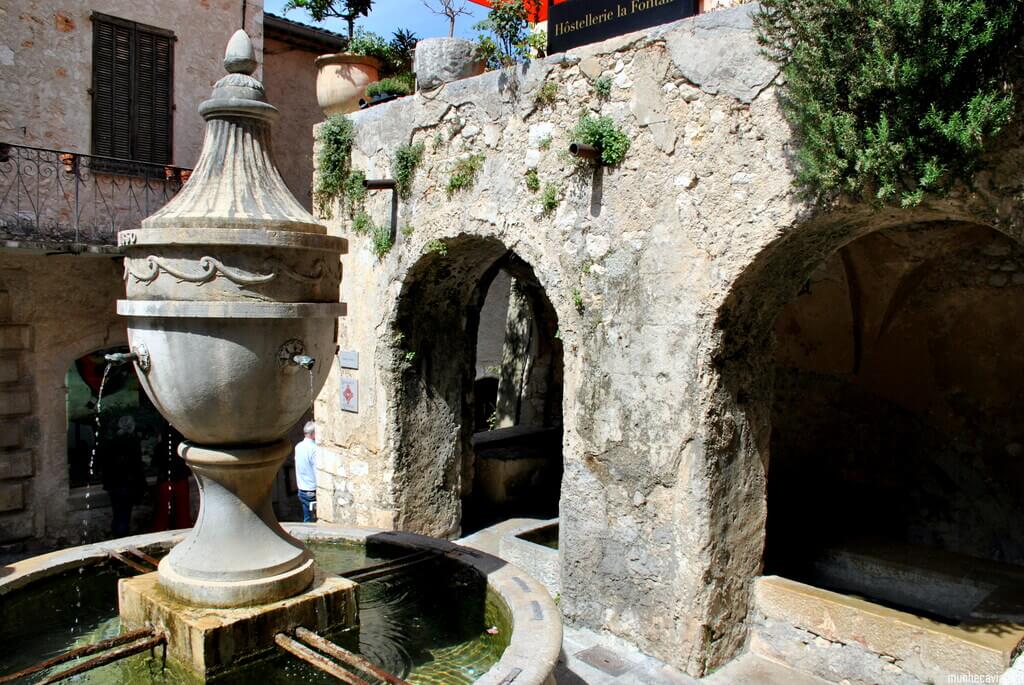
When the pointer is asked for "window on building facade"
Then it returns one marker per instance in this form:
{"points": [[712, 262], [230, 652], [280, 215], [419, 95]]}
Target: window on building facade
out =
{"points": [[132, 90]]}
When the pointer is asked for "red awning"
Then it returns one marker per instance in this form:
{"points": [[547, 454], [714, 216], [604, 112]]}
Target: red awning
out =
{"points": [[539, 11]]}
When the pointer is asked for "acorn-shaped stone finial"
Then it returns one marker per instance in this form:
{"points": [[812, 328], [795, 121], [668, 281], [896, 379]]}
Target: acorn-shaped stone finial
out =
{"points": [[240, 57]]}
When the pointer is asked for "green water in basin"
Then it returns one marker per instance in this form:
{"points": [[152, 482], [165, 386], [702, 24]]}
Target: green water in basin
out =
{"points": [[427, 624]]}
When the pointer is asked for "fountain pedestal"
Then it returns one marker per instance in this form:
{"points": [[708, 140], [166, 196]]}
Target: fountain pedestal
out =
{"points": [[210, 641], [232, 301], [237, 554]]}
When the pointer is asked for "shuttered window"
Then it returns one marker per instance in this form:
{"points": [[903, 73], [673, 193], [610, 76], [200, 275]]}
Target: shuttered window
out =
{"points": [[132, 90]]}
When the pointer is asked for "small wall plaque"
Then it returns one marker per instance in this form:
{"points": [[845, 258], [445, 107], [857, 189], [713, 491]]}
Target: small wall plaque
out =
{"points": [[349, 395], [349, 359]]}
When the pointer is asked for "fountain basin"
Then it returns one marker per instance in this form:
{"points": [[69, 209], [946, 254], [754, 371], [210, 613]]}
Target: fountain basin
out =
{"points": [[216, 371], [530, 650]]}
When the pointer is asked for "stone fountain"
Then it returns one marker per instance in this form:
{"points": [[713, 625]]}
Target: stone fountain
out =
{"points": [[232, 306]]}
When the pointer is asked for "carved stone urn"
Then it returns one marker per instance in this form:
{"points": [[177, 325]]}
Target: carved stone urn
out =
{"points": [[232, 307]]}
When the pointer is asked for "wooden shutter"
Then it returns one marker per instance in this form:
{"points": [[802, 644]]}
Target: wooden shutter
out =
{"points": [[132, 91], [152, 131], [112, 77]]}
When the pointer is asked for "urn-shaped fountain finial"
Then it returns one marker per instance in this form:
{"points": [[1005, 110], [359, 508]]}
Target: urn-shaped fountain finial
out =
{"points": [[219, 281]]}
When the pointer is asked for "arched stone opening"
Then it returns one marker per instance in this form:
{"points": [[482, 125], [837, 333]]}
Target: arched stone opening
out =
{"points": [[862, 427], [896, 431], [463, 462], [118, 448]]}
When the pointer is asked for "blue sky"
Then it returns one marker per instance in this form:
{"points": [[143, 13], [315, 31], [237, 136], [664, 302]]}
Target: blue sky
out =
{"points": [[389, 15]]}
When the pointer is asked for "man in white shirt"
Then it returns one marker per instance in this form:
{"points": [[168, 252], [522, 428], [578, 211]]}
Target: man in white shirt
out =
{"points": [[305, 472]]}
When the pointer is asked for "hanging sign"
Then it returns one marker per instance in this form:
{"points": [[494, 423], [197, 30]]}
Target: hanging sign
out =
{"points": [[578, 22]]}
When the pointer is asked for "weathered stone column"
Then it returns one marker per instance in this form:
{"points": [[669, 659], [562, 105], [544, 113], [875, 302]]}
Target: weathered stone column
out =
{"points": [[232, 299]]}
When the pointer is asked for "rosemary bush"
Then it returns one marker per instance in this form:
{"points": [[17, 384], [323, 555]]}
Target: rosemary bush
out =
{"points": [[892, 99]]}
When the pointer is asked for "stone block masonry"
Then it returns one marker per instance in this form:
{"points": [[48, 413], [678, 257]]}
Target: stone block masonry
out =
{"points": [[665, 274], [209, 641]]}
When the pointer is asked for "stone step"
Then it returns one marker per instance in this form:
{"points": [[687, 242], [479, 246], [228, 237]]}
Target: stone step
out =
{"points": [[14, 338], [14, 527], [16, 464], [10, 433], [751, 669], [12, 497], [15, 402], [9, 370]]}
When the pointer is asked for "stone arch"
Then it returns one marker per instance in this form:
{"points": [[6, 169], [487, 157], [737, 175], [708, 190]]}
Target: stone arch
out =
{"points": [[433, 350], [739, 356]]}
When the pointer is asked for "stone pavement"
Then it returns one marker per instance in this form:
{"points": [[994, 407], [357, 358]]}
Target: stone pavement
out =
{"points": [[592, 659]]}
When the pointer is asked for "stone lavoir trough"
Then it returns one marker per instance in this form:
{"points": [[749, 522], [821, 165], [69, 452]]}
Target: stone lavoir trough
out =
{"points": [[232, 308]]}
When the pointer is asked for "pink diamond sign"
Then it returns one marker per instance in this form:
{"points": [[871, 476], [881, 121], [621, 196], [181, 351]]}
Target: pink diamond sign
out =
{"points": [[349, 395]]}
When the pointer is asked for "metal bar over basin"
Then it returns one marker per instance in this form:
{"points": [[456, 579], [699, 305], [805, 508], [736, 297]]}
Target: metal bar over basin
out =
{"points": [[319, 661], [79, 652], [347, 657], [106, 658]]}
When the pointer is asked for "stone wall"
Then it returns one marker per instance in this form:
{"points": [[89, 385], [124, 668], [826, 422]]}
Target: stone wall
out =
{"points": [[59, 308], [46, 65], [666, 276], [289, 75]]}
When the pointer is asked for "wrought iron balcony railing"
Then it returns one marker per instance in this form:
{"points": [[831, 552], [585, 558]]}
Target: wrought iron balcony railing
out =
{"points": [[68, 201]]}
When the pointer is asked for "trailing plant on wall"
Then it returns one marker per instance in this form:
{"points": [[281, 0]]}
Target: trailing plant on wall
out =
{"points": [[381, 241], [438, 247], [602, 133], [333, 161], [355, 191], [403, 167], [362, 224], [548, 93], [603, 87], [532, 180], [550, 198], [464, 174], [892, 99]]}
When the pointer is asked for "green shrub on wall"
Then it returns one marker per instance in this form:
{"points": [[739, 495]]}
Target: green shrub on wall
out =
{"points": [[333, 161], [892, 99]]}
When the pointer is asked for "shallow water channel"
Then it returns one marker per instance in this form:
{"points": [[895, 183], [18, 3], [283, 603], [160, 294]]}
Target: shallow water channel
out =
{"points": [[427, 624]]}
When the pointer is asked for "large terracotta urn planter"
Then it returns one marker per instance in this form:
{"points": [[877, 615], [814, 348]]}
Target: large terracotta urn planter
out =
{"points": [[341, 81]]}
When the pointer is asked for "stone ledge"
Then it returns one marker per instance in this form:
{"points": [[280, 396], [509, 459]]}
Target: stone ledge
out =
{"points": [[10, 433], [12, 497], [15, 527], [927, 649], [16, 464], [14, 337], [9, 371], [15, 402], [209, 641]]}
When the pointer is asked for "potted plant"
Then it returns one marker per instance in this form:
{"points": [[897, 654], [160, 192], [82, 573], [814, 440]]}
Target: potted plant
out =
{"points": [[68, 160], [341, 77], [396, 56], [443, 60]]}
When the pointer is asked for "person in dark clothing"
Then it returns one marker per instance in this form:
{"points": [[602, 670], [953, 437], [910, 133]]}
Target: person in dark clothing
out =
{"points": [[123, 477]]}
